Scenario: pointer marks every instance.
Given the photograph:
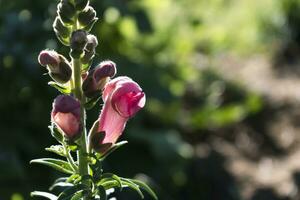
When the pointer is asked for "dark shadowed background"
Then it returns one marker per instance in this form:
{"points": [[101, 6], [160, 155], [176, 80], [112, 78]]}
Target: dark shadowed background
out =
{"points": [[222, 117]]}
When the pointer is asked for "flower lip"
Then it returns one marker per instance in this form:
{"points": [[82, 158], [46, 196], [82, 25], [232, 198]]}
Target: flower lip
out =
{"points": [[128, 104]]}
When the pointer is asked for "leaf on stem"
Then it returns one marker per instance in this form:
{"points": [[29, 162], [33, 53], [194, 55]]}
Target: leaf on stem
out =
{"points": [[68, 193], [110, 176], [43, 194], [57, 164], [60, 88], [57, 149], [102, 193], [145, 187], [112, 149], [132, 185], [60, 184], [91, 103]]}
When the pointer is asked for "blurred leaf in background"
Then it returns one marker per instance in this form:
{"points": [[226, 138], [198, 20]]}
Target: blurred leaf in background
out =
{"points": [[173, 48]]}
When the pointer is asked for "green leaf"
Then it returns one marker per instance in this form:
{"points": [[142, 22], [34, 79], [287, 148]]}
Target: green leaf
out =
{"points": [[110, 176], [57, 149], [57, 164], [60, 184], [112, 149], [91, 103], [132, 185], [145, 187], [43, 194], [78, 195], [60, 88], [67, 194], [102, 193], [73, 178]]}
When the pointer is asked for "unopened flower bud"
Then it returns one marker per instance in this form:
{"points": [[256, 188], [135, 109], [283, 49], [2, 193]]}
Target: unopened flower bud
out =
{"points": [[78, 42], [66, 115], [57, 65], [47, 57], [81, 4], [60, 29], [66, 11], [97, 78], [89, 50], [87, 16]]}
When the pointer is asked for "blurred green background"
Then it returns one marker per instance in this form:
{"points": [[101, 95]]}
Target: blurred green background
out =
{"points": [[222, 85]]}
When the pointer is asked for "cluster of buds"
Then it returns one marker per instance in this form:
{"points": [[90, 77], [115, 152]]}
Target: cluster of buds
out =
{"points": [[73, 15]]}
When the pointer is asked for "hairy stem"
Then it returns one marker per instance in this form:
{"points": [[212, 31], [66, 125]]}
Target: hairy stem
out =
{"points": [[82, 153]]}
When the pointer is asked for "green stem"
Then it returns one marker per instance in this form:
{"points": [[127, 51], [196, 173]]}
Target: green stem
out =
{"points": [[70, 158], [82, 153]]}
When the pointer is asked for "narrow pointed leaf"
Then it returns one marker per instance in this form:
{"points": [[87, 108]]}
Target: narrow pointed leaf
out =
{"points": [[145, 187], [112, 149], [91, 102], [102, 193], [67, 194], [60, 88], [78, 195], [133, 186], [60, 184], [57, 149], [57, 164], [43, 194], [111, 176]]}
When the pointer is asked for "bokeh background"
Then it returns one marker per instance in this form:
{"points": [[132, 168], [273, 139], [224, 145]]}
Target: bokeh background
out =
{"points": [[222, 120]]}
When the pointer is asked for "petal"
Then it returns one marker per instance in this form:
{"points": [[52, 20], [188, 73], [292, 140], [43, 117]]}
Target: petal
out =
{"points": [[129, 104], [112, 123], [111, 85], [68, 123]]}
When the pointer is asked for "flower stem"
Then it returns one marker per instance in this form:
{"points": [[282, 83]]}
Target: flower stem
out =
{"points": [[82, 153]]}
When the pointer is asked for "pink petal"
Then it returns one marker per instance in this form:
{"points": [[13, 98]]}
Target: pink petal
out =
{"points": [[111, 85], [67, 122], [112, 123]]}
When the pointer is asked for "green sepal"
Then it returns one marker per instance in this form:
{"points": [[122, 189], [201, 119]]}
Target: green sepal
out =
{"points": [[89, 27], [145, 187], [57, 149], [91, 102], [43, 194], [60, 28], [60, 88], [64, 41], [68, 193], [57, 164], [112, 149], [56, 133], [81, 4]]}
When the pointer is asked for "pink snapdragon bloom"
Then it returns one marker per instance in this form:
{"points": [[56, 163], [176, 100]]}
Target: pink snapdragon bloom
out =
{"points": [[66, 115], [123, 98]]}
